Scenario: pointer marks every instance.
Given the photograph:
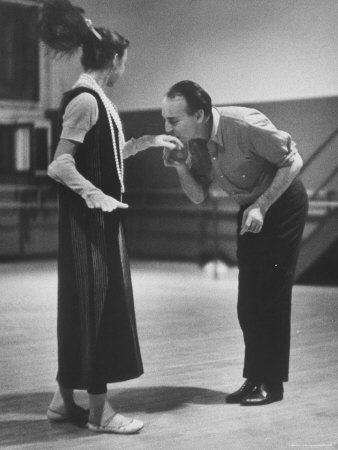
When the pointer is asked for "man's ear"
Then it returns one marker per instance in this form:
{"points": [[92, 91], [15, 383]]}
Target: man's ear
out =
{"points": [[200, 115]]}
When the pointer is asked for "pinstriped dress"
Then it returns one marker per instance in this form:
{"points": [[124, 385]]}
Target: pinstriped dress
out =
{"points": [[97, 335]]}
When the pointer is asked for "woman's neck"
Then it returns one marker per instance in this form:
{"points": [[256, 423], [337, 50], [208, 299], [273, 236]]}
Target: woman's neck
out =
{"points": [[99, 76]]}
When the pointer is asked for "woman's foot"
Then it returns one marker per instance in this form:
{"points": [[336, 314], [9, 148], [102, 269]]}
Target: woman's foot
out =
{"points": [[103, 418], [63, 408], [75, 414], [117, 424]]}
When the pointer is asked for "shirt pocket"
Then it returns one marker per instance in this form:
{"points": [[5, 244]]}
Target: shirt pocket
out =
{"points": [[246, 173]]}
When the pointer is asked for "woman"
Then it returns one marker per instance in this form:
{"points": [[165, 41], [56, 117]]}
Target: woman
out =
{"points": [[97, 336]]}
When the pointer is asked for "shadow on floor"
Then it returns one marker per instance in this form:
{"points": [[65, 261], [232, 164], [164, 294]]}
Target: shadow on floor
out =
{"points": [[23, 419], [163, 398]]}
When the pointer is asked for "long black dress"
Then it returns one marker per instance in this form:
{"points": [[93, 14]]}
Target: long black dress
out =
{"points": [[97, 336]]}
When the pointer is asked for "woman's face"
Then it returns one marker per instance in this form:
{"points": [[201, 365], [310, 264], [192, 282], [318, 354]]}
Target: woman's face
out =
{"points": [[117, 69]]}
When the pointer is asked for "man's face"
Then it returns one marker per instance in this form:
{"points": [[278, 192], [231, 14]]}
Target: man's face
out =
{"points": [[177, 121]]}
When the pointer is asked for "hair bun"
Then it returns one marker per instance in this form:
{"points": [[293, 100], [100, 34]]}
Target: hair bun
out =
{"points": [[62, 26]]}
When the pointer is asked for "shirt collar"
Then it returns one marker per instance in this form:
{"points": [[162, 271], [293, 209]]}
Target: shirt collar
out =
{"points": [[215, 131]]}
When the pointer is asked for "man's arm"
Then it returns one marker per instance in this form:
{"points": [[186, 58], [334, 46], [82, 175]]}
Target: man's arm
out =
{"points": [[282, 180], [253, 216], [193, 189]]}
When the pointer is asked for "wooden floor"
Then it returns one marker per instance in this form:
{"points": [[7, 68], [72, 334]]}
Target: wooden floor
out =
{"points": [[192, 352]]}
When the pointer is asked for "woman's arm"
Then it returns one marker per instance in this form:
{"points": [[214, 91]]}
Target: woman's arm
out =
{"points": [[134, 146], [63, 170]]}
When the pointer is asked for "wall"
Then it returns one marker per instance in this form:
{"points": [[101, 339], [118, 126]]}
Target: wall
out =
{"points": [[238, 50]]}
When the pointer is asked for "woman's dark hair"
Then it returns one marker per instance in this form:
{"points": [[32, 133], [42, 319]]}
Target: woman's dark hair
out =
{"points": [[64, 29], [196, 97]]}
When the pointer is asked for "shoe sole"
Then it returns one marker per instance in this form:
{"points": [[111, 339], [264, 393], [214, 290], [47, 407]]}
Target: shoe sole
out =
{"points": [[53, 416], [110, 430], [262, 403]]}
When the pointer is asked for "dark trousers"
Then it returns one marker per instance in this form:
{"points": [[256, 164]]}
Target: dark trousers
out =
{"points": [[267, 262], [96, 386]]}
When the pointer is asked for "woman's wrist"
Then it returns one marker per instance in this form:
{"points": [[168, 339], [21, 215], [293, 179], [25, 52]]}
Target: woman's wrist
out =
{"points": [[142, 143], [89, 190]]}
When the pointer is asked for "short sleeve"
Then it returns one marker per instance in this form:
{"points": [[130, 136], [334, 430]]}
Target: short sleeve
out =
{"points": [[80, 116], [274, 145]]}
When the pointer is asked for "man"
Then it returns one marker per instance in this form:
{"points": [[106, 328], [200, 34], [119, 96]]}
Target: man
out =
{"points": [[257, 165]]}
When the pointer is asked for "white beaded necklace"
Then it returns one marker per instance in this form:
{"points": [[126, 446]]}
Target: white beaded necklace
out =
{"points": [[88, 81]]}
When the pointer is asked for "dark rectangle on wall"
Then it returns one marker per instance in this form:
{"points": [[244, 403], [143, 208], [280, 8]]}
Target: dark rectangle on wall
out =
{"points": [[6, 149], [41, 154], [19, 50]]}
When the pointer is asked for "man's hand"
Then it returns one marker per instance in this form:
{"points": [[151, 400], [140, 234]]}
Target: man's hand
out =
{"points": [[173, 158], [102, 201], [190, 185], [253, 219]]}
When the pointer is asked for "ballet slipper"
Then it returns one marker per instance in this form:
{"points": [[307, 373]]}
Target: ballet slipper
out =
{"points": [[117, 424]]}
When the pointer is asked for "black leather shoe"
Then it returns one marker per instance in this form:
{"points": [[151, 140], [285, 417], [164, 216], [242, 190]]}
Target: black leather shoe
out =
{"points": [[263, 395], [237, 396]]}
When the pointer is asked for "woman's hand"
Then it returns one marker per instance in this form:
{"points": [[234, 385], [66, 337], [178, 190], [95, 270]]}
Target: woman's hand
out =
{"points": [[102, 201], [167, 141], [134, 146]]}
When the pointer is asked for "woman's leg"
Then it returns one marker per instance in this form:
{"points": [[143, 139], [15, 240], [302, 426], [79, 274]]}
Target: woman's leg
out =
{"points": [[64, 408], [100, 410], [103, 417], [63, 398]]}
